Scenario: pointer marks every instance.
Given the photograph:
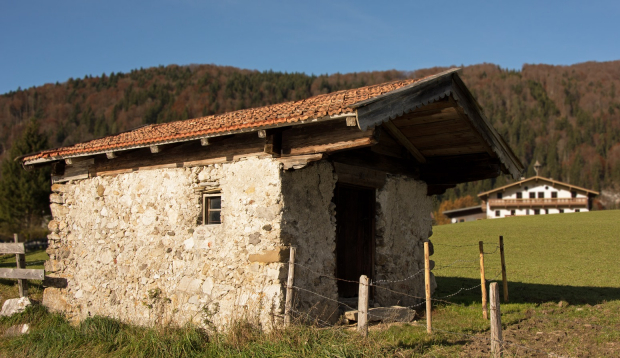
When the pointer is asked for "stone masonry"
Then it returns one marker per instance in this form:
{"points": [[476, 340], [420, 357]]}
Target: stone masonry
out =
{"points": [[132, 246]]}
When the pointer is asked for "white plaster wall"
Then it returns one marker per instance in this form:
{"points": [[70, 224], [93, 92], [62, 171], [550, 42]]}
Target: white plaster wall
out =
{"points": [[533, 187]]}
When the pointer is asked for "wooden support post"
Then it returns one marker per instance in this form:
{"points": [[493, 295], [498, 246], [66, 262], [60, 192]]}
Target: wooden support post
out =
{"points": [[21, 264], [273, 143], [288, 306], [362, 307], [496, 322], [427, 287], [483, 282], [504, 279]]}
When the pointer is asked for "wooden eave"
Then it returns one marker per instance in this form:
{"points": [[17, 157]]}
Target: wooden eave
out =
{"points": [[553, 183], [443, 128], [432, 130]]}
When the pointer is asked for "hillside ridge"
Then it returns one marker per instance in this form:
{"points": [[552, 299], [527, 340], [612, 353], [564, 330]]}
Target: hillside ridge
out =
{"points": [[567, 117]]}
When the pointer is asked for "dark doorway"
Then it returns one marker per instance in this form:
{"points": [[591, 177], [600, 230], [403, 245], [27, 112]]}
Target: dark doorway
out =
{"points": [[355, 236]]}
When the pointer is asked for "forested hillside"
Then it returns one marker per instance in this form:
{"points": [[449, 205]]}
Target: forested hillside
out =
{"points": [[567, 117]]}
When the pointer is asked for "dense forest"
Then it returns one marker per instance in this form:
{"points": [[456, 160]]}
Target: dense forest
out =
{"points": [[566, 117]]}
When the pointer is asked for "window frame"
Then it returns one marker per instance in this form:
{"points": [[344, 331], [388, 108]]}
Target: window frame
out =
{"points": [[206, 209]]}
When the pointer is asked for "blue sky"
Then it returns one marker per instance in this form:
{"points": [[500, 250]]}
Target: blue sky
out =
{"points": [[49, 41]]}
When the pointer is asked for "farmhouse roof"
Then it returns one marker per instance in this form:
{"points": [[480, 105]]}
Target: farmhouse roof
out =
{"points": [[463, 211], [435, 120], [537, 178], [334, 104]]}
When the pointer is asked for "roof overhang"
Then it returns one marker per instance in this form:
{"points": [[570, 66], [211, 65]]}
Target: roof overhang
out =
{"points": [[550, 182], [446, 86]]}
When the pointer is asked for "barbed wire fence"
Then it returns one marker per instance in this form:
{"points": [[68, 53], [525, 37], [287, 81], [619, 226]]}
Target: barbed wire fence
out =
{"points": [[364, 314]]}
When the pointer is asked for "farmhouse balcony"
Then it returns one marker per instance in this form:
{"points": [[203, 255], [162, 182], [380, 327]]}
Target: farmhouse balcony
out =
{"points": [[539, 202]]}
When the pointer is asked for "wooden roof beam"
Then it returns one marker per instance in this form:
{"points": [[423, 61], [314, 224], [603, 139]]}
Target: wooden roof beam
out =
{"points": [[402, 139]]}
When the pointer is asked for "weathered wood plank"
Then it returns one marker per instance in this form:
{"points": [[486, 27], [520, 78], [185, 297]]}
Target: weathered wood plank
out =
{"points": [[23, 274], [400, 102], [366, 158], [387, 145], [9, 248], [300, 161], [402, 139], [187, 153], [446, 140], [434, 128], [416, 118], [320, 134], [332, 147], [467, 149], [350, 174]]}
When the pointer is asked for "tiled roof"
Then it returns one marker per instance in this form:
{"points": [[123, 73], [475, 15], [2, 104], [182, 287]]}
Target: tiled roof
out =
{"points": [[537, 178], [336, 103]]}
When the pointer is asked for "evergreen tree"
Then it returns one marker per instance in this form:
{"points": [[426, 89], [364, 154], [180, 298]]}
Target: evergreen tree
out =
{"points": [[24, 195]]}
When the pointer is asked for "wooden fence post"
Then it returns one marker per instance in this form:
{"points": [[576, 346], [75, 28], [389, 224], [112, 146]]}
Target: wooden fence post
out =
{"points": [[20, 259], [496, 322], [427, 287], [504, 279], [483, 282], [288, 306], [362, 307]]}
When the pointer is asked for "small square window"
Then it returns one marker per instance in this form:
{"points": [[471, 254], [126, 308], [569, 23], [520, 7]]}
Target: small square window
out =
{"points": [[532, 195], [541, 195], [519, 195], [561, 211], [536, 211], [497, 213], [573, 194], [211, 209], [576, 210], [499, 195], [554, 194], [547, 211], [513, 212]]}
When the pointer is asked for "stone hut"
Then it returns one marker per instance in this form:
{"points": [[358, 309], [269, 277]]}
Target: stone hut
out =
{"points": [[193, 220]]}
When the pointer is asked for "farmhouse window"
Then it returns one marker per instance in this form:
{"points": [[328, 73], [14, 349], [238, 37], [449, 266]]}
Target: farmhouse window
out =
{"points": [[499, 195], [211, 209], [497, 213], [513, 212], [577, 210], [547, 211], [532, 195], [536, 211], [541, 194], [554, 195], [519, 195], [573, 194], [561, 211]]}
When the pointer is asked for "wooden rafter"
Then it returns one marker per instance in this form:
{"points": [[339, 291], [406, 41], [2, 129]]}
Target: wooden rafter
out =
{"points": [[402, 139]]}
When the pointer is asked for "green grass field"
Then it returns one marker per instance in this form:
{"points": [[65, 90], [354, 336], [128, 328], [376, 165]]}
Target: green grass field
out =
{"points": [[570, 256], [564, 301]]}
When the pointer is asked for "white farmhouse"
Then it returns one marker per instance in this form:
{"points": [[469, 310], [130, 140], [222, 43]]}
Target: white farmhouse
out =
{"points": [[536, 196]]}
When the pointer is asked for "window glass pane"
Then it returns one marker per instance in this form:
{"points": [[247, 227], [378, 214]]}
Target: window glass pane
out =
{"points": [[215, 202], [214, 217]]}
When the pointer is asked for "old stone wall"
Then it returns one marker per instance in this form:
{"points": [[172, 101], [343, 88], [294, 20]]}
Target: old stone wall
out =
{"points": [[403, 223], [130, 246], [309, 224]]}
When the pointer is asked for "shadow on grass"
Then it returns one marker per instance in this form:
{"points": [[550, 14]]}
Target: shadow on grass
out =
{"points": [[520, 292]]}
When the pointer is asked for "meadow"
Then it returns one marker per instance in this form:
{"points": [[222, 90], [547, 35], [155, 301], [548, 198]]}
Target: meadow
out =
{"points": [[564, 299]]}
